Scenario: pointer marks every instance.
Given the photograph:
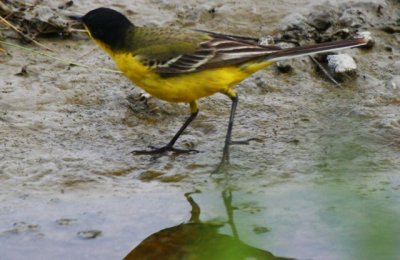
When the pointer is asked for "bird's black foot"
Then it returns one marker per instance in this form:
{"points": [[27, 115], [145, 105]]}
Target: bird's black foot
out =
{"points": [[164, 149], [222, 167]]}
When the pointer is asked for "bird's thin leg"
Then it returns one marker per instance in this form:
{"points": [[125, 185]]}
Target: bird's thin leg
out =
{"points": [[225, 153], [170, 146]]}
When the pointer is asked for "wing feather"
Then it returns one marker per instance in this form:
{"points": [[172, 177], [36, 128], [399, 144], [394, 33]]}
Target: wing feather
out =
{"points": [[216, 52]]}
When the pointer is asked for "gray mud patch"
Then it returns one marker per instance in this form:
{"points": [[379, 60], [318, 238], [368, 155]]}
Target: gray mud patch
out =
{"points": [[322, 184]]}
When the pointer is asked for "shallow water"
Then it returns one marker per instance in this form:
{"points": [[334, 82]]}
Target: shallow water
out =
{"points": [[322, 184]]}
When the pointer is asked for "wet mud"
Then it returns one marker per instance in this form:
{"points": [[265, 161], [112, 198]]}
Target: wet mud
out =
{"points": [[320, 182]]}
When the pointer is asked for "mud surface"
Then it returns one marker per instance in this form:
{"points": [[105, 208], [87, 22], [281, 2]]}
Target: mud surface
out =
{"points": [[322, 184]]}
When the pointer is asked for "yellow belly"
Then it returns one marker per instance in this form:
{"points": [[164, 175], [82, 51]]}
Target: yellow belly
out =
{"points": [[185, 87]]}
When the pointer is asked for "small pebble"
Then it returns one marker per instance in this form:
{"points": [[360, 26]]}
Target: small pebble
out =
{"points": [[266, 40], [394, 83], [322, 20], [65, 221], [284, 66], [260, 230], [341, 63], [89, 234]]}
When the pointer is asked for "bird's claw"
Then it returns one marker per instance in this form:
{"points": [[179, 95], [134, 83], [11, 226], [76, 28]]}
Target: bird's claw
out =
{"points": [[221, 168], [162, 150]]}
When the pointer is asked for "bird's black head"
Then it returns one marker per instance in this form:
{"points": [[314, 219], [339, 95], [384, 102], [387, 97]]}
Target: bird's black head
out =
{"points": [[107, 26]]}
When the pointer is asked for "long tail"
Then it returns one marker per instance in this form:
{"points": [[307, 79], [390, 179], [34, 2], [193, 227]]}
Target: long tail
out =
{"points": [[315, 48]]}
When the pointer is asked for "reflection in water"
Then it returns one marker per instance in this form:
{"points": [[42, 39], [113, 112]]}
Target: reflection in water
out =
{"points": [[196, 241]]}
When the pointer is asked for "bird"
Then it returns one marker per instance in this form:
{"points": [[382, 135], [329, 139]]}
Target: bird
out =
{"points": [[182, 66]]}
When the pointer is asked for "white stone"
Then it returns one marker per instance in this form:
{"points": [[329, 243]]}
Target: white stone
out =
{"points": [[341, 63]]}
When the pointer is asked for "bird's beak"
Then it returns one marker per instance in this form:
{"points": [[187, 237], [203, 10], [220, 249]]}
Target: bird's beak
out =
{"points": [[76, 18]]}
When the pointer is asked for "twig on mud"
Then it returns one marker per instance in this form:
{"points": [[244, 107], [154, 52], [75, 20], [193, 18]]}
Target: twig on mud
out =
{"points": [[327, 74], [77, 30], [24, 3], [23, 35], [58, 59], [4, 8]]}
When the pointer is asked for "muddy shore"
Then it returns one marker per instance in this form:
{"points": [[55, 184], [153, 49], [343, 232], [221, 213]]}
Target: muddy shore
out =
{"points": [[323, 183]]}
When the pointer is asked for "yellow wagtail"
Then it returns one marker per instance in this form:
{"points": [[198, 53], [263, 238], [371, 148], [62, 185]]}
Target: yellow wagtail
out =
{"points": [[184, 65]]}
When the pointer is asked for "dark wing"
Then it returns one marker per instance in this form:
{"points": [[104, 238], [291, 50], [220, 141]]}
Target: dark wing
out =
{"points": [[251, 40], [218, 50], [215, 53]]}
